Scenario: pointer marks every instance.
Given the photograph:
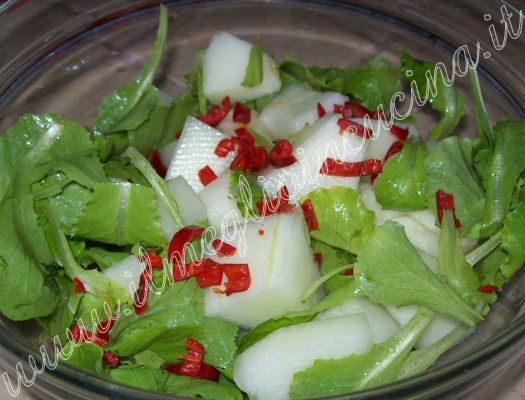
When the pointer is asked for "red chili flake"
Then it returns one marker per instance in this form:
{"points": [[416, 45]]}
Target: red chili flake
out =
{"points": [[223, 249], [207, 371], [158, 164], [80, 335], [398, 132], [349, 272], [241, 113], [353, 128], [320, 110], [206, 175], [373, 178], [104, 327], [177, 134], [309, 215], [272, 206], [338, 109], [280, 155], [110, 358], [351, 169], [180, 240], [239, 279], [79, 286], [249, 156], [261, 232], [318, 257], [487, 288], [395, 148], [445, 201], [152, 259], [211, 275], [216, 114]]}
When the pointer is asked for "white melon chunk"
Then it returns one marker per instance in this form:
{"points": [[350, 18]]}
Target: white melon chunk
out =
{"points": [[281, 267], [296, 106], [167, 152], [369, 199], [265, 370], [224, 68], [427, 218], [221, 208], [195, 149], [228, 126], [381, 140], [440, 326], [191, 207], [382, 325], [126, 273], [420, 237], [322, 140]]}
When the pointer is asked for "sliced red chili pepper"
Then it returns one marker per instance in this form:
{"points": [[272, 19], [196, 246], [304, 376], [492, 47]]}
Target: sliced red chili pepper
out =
{"points": [[104, 327], [193, 359], [349, 272], [223, 249], [212, 274], [110, 358], [373, 178], [245, 135], [318, 257], [353, 128], [395, 148], [320, 110], [180, 240], [261, 232], [273, 206], [224, 147], [350, 169], [152, 259], [181, 272], [359, 111], [140, 298], [206, 175], [398, 132], [309, 215], [158, 164], [445, 201], [79, 286], [239, 279], [281, 154], [207, 371], [80, 335], [216, 114], [487, 288], [338, 109], [241, 113]]}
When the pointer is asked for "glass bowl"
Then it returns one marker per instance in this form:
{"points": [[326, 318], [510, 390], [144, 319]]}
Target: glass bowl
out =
{"points": [[64, 57]]}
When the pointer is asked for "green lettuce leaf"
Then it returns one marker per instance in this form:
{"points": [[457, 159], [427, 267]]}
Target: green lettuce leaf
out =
{"points": [[333, 258], [379, 366], [195, 80], [373, 85], [254, 70], [162, 381], [505, 166], [344, 221], [513, 240], [453, 265], [146, 137], [170, 319], [401, 184], [102, 257], [86, 356], [246, 192], [390, 271], [431, 86], [129, 106], [484, 127], [321, 79], [121, 168], [178, 111], [122, 214], [489, 268], [449, 167]]}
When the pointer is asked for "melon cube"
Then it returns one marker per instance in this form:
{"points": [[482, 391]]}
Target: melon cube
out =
{"points": [[228, 126], [321, 141], [224, 68], [195, 150], [282, 267], [296, 106], [126, 273], [265, 370]]}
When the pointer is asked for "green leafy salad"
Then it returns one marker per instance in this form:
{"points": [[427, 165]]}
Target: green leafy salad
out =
{"points": [[272, 233]]}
